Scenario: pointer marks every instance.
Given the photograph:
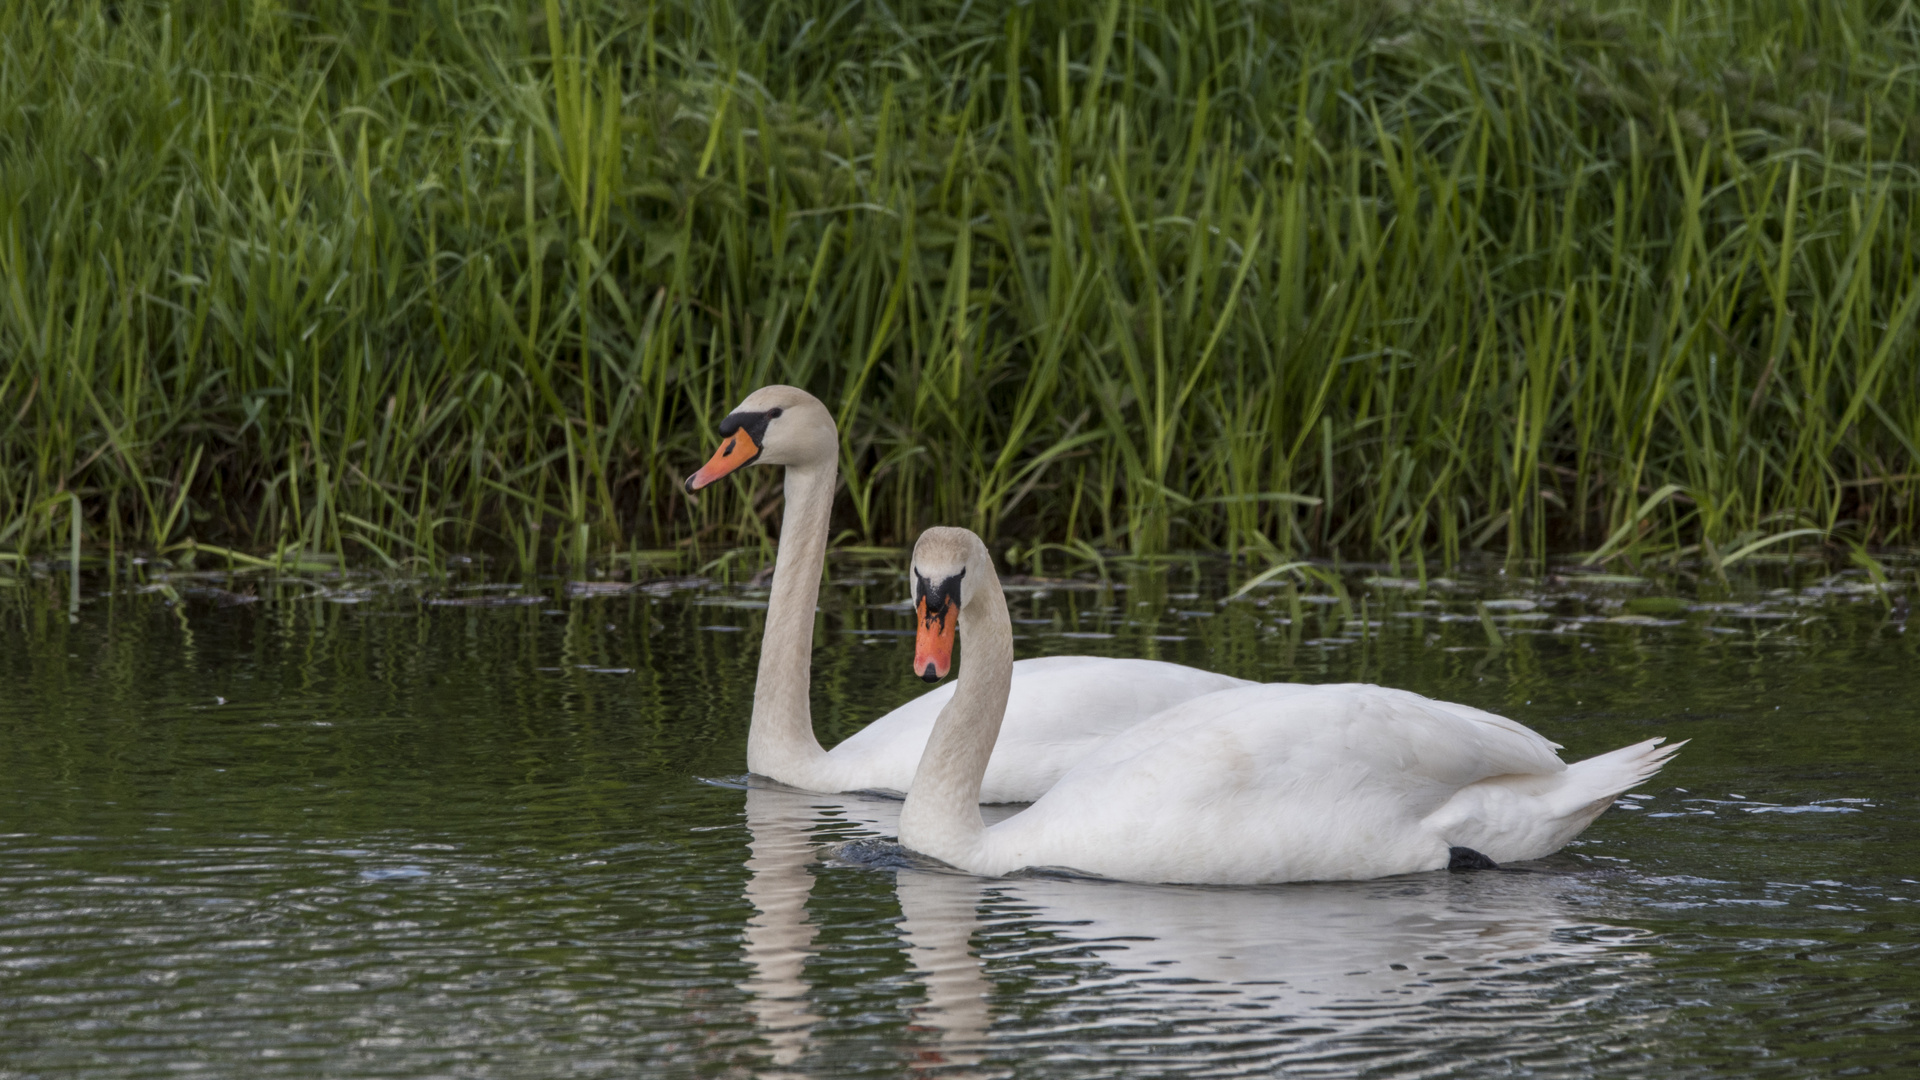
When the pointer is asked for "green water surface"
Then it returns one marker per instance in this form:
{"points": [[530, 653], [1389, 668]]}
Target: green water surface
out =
{"points": [[389, 828]]}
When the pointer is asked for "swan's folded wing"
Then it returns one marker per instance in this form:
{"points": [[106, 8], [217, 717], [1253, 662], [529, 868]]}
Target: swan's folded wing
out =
{"points": [[1481, 716], [1459, 743], [1287, 729], [1267, 701]]}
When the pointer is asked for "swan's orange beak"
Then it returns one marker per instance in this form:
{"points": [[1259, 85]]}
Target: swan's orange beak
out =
{"points": [[933, 644], [738, 449]]}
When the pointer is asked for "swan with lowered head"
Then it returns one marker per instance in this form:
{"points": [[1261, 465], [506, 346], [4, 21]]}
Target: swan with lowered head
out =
{"points": [[1252, 785], [1060, 707]]}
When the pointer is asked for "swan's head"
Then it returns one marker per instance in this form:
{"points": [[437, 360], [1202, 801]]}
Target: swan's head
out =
{"points": [[776, 425], [941, 587]]}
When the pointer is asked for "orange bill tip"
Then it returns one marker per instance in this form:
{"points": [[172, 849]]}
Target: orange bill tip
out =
{"points": [[933, 640], [735, 450]]}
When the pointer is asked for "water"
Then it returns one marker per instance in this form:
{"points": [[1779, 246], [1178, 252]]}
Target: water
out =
{"points": [[373, 827]]}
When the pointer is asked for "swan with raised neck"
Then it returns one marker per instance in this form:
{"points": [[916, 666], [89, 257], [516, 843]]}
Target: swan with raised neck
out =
{"points": [[784, 425], [1062, 706]]}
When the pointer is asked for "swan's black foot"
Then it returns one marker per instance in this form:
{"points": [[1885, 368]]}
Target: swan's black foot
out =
{"points": [[1465, 858]]}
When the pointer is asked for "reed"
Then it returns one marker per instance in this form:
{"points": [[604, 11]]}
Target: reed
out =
{"points": [[380, 282]]}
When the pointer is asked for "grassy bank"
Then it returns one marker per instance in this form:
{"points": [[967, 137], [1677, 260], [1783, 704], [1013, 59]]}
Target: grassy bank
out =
{"points": [[1388, 278]]}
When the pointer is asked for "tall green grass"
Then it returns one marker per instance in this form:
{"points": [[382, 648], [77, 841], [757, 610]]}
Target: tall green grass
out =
{"points": [[1408, 280]]}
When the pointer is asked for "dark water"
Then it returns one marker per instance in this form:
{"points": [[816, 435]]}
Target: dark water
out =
{"points": [[327, 828]]}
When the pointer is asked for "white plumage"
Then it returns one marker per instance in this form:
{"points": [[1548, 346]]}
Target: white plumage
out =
{"points": [[1061, 707], [1254, 784]]}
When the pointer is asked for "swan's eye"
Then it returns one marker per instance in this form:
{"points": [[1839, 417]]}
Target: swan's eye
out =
{"points": [[774, 414]]}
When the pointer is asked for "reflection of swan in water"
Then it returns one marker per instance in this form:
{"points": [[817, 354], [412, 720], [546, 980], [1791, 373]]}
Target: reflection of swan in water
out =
{"points": [[1378, 970], [785, 830], [779, 935], [1405, 967], [938, 916]]}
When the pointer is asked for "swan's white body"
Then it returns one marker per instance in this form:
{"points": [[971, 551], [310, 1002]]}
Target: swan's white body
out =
{"points": [[1255, 784], [1061, 707]]}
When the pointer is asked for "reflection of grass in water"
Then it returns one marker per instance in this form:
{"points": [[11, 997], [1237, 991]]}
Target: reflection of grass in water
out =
{"points": [[1367, 276]]}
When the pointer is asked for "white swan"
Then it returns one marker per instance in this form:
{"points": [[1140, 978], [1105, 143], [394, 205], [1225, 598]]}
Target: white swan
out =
{"points": [[1061, 707], [1251, 785]]}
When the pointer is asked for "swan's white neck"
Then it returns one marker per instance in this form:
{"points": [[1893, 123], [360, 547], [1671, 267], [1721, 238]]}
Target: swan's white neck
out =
{"points": [[941, 816], [780, 739]]}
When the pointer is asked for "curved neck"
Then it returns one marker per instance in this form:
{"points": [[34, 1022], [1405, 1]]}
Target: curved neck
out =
{"points": [[941, 816], [780, 739]]}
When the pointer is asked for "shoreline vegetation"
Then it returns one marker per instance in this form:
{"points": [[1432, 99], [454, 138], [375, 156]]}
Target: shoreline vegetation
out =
{"points": [[1402, 281]]}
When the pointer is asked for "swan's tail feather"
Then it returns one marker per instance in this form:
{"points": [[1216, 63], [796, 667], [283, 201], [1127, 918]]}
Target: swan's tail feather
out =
{"points": [[1601, 779], [1513, 818], [1608, 775]]}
